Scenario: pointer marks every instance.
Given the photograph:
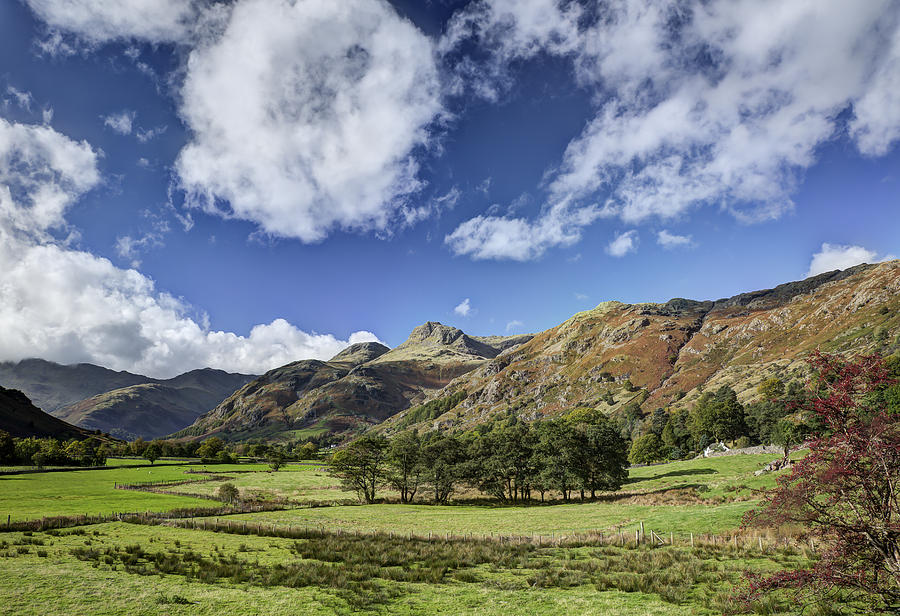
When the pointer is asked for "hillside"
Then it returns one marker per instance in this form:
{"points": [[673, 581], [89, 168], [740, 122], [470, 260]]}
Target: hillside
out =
{"points": [[51, 386], [362, 385], [155, 409], [664, 355], [121, 403], [21, 418]]}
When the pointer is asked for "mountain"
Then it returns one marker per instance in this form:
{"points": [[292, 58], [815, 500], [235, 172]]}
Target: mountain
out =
{"points": [[21, 418], [362, 385], [664, 355], [151, 410], [51, 386], [124, 404]]}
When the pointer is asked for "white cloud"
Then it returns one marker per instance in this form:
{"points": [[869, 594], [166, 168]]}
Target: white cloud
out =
{"points": [[514, 324], [100, 21], [20, 97], [41, 173], [305, 115], [518, 239], [837, 257], [463, 309], [146, 134], [580, 296], [671, 240], [724, 106], [120, 122], [68, 305], [623, 243], [876, 125]]}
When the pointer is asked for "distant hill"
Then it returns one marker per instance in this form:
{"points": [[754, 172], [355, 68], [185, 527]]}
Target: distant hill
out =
{"points": [[51, 386], [363, 385], [124, 404], [152, 410], [21, 418], [665, 355]]}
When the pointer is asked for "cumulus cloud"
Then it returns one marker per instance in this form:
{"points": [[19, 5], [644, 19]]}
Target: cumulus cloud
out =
{"points": [[723, 104], [464, 308], [623, 243], [520, 239], [671, 240], [69, 305], [101, 21], [305, 116], [41, 174], [837, 257], [120, 122]]}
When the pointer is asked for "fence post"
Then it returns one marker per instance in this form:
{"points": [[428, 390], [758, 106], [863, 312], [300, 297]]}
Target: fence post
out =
{"points": [[692, 539]]}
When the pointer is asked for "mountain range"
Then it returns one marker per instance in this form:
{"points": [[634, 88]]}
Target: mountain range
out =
{"points": [[617, 355], [361, 386], [123, 404]]}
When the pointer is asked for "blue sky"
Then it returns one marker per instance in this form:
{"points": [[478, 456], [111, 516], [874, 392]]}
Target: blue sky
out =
{"points": [[243, 184]]}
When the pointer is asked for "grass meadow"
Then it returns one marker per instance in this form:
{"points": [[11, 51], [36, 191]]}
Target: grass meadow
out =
{"points": [[426, 560]]}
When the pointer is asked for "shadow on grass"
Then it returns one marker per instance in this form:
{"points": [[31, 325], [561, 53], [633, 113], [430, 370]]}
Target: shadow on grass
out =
{"points": [[682, 473]]}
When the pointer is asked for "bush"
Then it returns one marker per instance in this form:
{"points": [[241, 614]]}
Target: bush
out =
{"points": [[228, 493], [742, 442]]}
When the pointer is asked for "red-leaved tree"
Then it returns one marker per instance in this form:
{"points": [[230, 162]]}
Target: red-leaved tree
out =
{"points": [[845, 492]]}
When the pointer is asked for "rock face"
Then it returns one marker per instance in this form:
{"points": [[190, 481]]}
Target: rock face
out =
{"points": [[363, 385], [21, 418], [662, 355], [124, 404]]}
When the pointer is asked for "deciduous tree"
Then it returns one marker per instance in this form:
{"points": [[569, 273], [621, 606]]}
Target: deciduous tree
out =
{"points": [[845, 491]]}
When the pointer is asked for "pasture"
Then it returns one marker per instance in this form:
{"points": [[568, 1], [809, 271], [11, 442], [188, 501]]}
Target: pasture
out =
{"points": [[315, 557]]}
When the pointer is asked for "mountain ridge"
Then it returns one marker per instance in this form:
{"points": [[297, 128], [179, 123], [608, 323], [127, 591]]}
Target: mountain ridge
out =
{"points": [[662, 355]]}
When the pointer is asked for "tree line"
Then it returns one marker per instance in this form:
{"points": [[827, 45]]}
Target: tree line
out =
{"points": [[509, 460], [779, 416]]}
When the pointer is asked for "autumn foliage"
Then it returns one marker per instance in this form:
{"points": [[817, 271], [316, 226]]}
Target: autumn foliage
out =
{"points": [[845, 491]]}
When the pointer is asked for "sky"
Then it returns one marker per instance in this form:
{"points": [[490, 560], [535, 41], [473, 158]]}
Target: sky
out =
{"points": [[193, 183]]}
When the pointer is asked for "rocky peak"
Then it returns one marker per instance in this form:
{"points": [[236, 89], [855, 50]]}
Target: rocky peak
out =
{"points": [[435, 333], [360, 353]]}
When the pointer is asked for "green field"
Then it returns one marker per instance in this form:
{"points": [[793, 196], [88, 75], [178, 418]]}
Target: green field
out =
{"points": [[428, 559]]}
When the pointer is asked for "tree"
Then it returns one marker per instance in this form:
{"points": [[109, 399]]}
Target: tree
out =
{"points": [[151, 452], [360, 465], [677, 433], [39, 459], [7, 448], [306, 451], [210, 448], [601, 454], [557, 446], [228, 493], [771, 389], [646, 449], [404, 458], [845, 491], [276, 460], [658, 421], [718, 415], [443, 456]]}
